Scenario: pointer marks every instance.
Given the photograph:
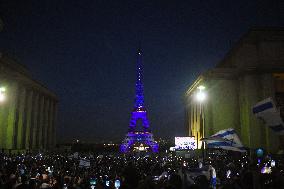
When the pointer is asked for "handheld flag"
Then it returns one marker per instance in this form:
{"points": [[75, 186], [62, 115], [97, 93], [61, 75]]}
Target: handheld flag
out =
{"points": [[84, 163], [226, 139], [267, 111]]}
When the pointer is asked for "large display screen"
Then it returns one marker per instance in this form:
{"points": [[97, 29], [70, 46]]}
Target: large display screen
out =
{"points": [[185, 143]]}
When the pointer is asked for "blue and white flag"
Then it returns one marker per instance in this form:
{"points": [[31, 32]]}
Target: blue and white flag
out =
{"points": [[264, 107], [84, 163], [226, 139], [267, 111], [74, 156]]}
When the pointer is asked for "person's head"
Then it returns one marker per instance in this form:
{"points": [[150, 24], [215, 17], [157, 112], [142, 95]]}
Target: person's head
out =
{"points": [[175, 181], [67, 180], [45, 178], [32, 183], [12, 178], [24, 179], [194, 186]]}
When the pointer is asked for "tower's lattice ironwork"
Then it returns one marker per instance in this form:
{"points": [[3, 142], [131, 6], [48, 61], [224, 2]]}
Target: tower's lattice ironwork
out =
{"points": [[142, 137]]}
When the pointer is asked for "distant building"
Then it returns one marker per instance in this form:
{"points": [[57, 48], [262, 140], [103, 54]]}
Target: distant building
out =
{"points": [[250, 72], [27, 109]]}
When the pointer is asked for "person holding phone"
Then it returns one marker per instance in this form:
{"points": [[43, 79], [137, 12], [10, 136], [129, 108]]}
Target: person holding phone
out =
{"points": [[117, 184], [213, 179], [93, 183]]}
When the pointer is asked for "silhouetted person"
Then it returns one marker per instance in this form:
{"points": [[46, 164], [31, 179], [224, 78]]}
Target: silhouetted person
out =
{"points": [[131, 176], [175, 181], [11, 182], [24, 183]]}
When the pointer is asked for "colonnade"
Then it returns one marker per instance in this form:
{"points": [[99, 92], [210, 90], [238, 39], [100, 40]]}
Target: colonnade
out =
{"points": [[27, 118]]}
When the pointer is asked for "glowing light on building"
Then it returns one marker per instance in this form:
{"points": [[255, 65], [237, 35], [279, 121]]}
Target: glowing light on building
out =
{"points": [[2, 94], [200, 95]]}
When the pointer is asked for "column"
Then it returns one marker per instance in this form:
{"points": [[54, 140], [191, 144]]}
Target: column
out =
{"points": [[4, 110], [46, 123], [34, 120], [271, 138], [12, 100], [28, 118], [208, 112], [20, 118], [245, 130], [54, 123], [2, 124], [250, 125], [40, 122]]}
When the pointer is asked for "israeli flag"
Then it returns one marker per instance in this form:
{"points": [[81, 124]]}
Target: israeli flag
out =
{"points": [[264, 107], [267, 111], [226, 139], [74, 156], [84, 163]]}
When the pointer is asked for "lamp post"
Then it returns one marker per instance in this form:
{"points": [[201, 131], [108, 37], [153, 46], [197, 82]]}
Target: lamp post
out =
{"points": [[201, 97], [2, 94]]}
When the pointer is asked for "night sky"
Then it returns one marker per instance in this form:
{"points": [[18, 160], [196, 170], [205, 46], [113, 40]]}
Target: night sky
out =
{"points": [[85, 52]]}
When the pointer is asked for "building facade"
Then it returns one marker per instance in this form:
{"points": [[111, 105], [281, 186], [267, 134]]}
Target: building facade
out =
{"points": [[250, 72], [27, 109]]}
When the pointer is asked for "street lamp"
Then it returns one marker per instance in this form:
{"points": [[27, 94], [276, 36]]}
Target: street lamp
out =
{"points": [[2, 94], [201, 97]]}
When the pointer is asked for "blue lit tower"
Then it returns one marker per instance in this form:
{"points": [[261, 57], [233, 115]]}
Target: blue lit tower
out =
{"points": [[144, 137]]}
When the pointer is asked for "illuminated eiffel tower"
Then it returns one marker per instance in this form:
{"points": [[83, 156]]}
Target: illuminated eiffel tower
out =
{"points": [[139, 139]]}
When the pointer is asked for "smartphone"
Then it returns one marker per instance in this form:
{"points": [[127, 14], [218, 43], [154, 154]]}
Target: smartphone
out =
{"points": [[65, 186], [93, 181], [22, 171], [117, 183], [272, 163], [155, 178], [107, 183], [228, 173]]}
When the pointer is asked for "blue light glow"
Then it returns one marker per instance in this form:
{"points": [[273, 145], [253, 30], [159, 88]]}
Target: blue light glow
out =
{"points": [[142, 137]]}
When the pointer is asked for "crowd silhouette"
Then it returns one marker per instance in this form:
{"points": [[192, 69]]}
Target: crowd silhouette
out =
{"points": [[66, 171]]}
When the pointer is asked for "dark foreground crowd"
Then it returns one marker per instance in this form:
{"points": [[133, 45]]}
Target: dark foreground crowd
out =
{"points": [[88, 171]]}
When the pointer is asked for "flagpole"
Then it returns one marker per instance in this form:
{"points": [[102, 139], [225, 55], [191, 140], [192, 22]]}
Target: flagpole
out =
{"points": [[201, 96], [203, 131]]}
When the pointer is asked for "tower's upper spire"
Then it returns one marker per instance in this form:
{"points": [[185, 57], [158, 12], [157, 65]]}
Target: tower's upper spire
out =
{"points": [[139, 99]]}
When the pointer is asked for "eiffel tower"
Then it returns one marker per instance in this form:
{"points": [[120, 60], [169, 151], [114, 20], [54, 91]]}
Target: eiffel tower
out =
{"points": [[139, 139]]}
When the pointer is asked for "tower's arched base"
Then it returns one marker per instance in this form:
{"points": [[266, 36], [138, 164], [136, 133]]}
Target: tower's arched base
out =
{"points": [[145, 139]]}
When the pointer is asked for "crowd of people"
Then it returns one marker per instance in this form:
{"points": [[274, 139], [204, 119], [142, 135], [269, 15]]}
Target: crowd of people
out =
{"points": [[84, 171]]}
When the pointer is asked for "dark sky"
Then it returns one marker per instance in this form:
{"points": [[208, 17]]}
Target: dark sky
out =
{"points": [[85, 51]]}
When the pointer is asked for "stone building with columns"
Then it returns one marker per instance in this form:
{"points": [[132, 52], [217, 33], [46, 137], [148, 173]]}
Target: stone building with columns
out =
{"points": [[250, 72], [27, 109]]}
